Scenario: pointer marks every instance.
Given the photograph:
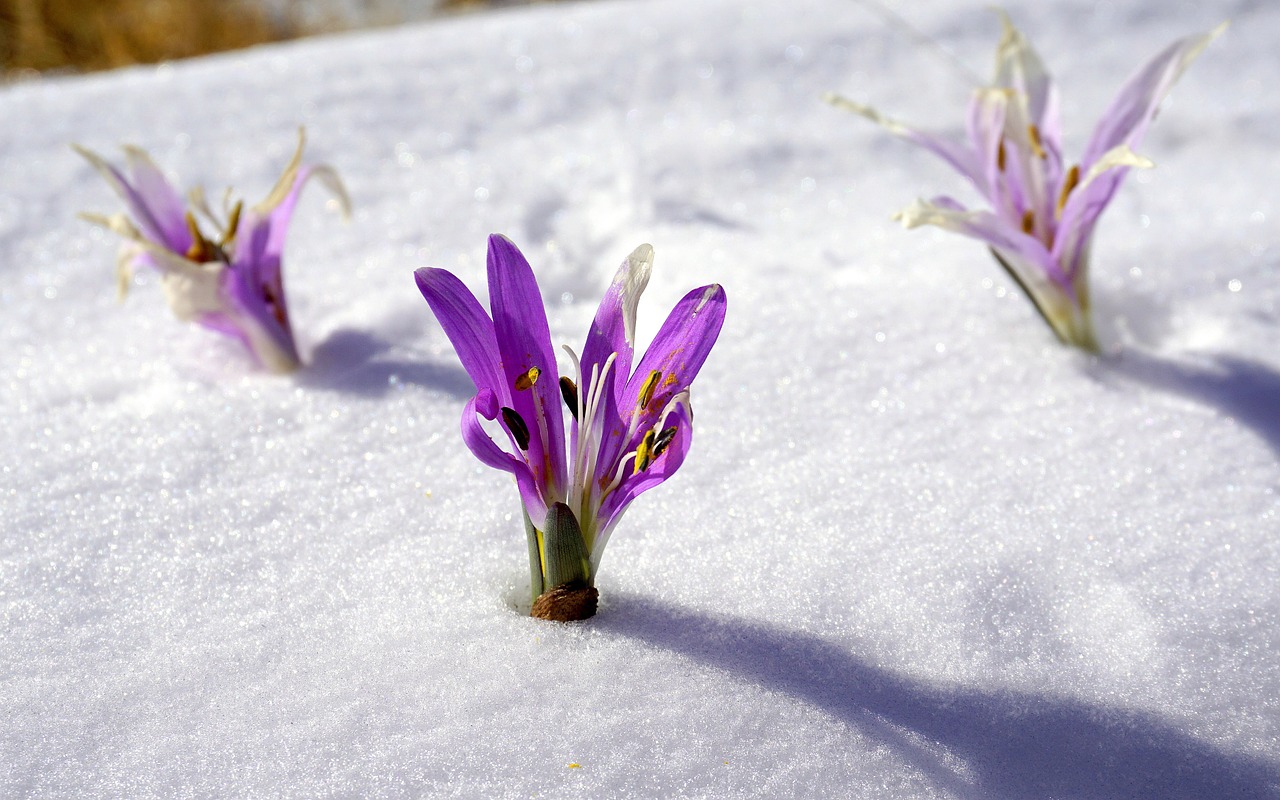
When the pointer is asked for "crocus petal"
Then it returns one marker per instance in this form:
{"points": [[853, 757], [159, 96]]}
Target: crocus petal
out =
{"points": [[614, 328], [945, 213], [162, 199], [195, 291], [466, 324], [281, 213], [676, 353], [613, 331], [287, 181], [1088, 200], [154, 205], [279, 204], [1125, 120], [1019, 67], [477, 440], [633, 486], [986, 134], [254, 289], [524, 341], [960, 157]]}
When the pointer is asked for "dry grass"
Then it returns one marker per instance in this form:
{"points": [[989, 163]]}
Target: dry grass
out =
{"points": [[86, 35], [100, 34]]}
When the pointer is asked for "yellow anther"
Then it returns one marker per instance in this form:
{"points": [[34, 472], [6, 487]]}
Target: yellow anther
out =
{"points": [[233, 224], [200, 249], [1028, 221], [647, 390], [527, 379], [644, 453], [1033, 133], [1000, 156], [1068, 184]]}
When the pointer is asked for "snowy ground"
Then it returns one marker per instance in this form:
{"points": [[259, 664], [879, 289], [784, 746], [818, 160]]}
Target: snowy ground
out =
{"points": [[918, 550]]}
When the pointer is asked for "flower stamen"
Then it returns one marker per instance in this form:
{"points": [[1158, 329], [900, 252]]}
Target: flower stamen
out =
{"points": [[233, 224], [569, 392], [516, 425], [1033, 133], [1068, 184], [201, 250], [644, 453], [587, 451], [663, 440], [648, 388], [526, 380]]}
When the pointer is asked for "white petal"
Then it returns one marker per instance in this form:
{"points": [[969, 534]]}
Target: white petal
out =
{"points": [[281, 190], [192, 293], [639, 267], [1118, 156]]}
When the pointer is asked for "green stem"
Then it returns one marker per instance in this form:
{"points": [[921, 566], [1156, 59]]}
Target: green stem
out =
{"points": [[536, 585], [557, 553]]}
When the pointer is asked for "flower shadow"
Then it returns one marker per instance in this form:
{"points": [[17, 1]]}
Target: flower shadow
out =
{"points": [[357, 362], [1248, 391], [975, 743]]}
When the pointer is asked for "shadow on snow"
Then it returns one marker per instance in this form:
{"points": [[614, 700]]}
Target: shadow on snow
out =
{"points": [[1247, 391], [356, 362], [1012, 744]]}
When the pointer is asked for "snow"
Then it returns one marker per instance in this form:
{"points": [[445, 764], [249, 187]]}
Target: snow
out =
{"points": [[918, 549]]}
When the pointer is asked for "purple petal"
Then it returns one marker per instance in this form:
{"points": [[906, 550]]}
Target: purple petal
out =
{"points": [[282, 212], [1087, 202], [524, 341], [166, 206], [682, 343], [986, 132], [948, 214], [154, 205], [467, 325], [485, 404], [1125, 121], [255, 286], [613, 332], [676, 354], [614, 327], [959, 156], [663, 467], [1019, 67]]}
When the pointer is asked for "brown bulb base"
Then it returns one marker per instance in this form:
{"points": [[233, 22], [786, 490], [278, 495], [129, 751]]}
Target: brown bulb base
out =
{"points": [[569, 602]]}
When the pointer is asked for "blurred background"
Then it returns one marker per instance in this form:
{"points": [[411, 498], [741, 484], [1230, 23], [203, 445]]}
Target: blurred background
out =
{"points": [[82, 35]]}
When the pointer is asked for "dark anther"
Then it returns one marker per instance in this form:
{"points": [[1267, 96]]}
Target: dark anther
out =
{"points": [[569, 391], [663, 439], [516, 425]]}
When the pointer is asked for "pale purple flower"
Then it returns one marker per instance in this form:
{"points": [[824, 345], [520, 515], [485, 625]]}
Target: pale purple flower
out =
{"points": [[630, 426], [229, 280], [1043, 212]]}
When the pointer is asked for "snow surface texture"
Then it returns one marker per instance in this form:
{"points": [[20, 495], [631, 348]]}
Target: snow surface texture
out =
{"points": [[919, 550]]}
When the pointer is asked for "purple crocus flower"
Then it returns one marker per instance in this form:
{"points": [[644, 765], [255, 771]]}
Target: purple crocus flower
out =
{"points": [[630, 425], [1043, 212], [230, 281]]}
